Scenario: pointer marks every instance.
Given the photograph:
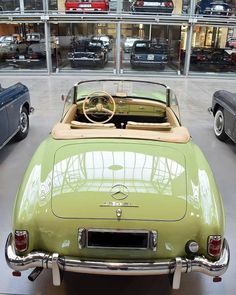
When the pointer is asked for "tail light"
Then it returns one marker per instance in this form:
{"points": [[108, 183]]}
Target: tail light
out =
{"points": [[227, 58], [139, 3], [168, 4], [21, 240], [10, 55], [33, 55], [214, 245], [201, 57]]}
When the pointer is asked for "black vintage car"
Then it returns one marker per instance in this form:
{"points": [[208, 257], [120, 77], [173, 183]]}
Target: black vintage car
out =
{"points": [[216, 8], [35, 56], [14, 113], [88, 52], [224, 112], [210, 58], [146, 53]]}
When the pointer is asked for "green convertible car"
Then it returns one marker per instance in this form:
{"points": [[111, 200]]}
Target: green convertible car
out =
{"points": [[118, 188]]}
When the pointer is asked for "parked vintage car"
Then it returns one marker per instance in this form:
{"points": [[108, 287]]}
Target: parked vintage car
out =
{"points": [[152, 6], [14, 113], [11, 44], [88, 52], [212, 57], [9, 6], [81, 6], [118, 188], [35, 55], [209, 7], [146, 53], [224, 111]]}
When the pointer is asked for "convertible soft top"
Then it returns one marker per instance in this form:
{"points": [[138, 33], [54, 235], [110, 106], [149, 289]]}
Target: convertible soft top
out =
{"points": [[175, 134]]}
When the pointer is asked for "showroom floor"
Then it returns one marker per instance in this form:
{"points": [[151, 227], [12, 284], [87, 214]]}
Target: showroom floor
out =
{"points": [[194, 98]]}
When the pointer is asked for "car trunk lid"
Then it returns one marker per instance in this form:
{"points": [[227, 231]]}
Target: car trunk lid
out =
{"points": [[110, 180]]}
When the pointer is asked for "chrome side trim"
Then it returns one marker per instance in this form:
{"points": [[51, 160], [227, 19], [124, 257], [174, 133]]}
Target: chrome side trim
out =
{"points": [[73, 264]]}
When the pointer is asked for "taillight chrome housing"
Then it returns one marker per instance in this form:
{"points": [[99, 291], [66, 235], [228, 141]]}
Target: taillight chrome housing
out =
{"points": [[214, 246], [21, 240]]}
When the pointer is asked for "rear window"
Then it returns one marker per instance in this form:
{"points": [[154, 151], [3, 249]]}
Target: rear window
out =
{"points": [[141, 47], [144, 47]]}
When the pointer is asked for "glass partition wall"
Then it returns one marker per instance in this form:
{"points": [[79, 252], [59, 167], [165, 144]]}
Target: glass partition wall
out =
{"points": [[23, 47], [164, 37], [213, 50], [151, 48], [86, 47]]}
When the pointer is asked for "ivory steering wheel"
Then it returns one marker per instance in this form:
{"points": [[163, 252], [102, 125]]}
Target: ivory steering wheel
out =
{"points": [[99, 108]]}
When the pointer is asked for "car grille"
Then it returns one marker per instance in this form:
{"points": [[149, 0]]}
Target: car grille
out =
{"points": [[116, 239]]}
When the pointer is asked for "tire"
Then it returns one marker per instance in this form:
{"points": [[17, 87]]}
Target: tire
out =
{"points": [[24, 125], [219, 125], [162, 67], [73, 64]]}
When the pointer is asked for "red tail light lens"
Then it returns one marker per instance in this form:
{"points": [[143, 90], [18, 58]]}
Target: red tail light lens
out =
{"points": [[21, 240], [139, 3], [214, 245], [33, 55], [168, 4], [201, 57]]}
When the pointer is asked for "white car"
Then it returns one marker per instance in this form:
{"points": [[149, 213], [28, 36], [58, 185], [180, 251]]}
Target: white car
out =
{"points": [[129, 41]]}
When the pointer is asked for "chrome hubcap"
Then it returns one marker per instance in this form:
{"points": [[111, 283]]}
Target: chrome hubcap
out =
{"points": [[219, 123], [23, 122]]}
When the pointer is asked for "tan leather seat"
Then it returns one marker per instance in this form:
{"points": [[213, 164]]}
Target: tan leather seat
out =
{"points": [[149, 126], [82, 125]]}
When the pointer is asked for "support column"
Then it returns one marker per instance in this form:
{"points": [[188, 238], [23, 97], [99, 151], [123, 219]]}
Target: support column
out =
{"points": [[118, 49], [188, 49], [48, 47]]}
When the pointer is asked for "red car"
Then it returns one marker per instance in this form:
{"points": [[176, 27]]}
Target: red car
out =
{"points": [[86, 5]]}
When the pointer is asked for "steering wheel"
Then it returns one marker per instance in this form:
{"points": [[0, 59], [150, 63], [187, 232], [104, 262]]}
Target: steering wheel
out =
{"points": [[94, 105]]}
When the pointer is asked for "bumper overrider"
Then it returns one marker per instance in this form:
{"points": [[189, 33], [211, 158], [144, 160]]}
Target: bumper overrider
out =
{"points": [[58, 264]]}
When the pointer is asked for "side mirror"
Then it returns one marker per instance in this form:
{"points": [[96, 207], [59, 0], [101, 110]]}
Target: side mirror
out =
{"points": [[63, 97]]}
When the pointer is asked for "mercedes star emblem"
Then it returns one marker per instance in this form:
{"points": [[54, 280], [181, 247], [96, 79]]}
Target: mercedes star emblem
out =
{"points": [[119, 192]]}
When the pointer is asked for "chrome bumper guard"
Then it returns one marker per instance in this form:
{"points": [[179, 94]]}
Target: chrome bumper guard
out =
{"points": [[64, 263]]}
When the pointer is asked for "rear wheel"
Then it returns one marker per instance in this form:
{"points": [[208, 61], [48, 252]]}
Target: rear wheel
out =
{"points": [[24, 125], [219, 125]]}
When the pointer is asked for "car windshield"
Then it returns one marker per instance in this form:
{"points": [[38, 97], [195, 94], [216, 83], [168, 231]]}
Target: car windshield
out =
{"points": [[128, 88]]}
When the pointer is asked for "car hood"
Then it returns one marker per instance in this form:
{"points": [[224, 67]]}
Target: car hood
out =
{"points": [[105, 180]]}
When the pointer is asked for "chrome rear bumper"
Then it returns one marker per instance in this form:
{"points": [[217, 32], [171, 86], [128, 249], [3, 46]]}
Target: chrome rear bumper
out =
{"points": [[72, 264]]}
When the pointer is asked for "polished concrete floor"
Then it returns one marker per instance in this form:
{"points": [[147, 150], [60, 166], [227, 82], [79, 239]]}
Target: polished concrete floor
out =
{"points": [[194, 98]]}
